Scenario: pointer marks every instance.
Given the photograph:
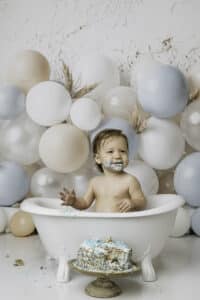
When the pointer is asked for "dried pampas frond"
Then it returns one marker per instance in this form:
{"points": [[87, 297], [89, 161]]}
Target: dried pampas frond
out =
{"points": [[85, 90], [138, 122], [194, 95]]}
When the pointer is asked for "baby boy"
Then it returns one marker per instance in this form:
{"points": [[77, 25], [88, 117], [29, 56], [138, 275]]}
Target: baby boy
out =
{"points": [[115, 190]]}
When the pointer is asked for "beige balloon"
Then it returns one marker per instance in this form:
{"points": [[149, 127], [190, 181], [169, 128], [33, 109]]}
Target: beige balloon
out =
{"points": [[64, 148], [28, 68], [21, 224]]}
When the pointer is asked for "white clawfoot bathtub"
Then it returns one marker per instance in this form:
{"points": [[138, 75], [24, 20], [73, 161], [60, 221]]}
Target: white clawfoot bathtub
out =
{"points": [[62, 232]]}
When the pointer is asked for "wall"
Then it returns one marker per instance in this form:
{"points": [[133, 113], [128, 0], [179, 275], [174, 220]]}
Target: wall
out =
{"points": [[121, 29]]}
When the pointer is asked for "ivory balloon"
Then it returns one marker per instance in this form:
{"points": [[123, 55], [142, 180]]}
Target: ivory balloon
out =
{"points": [[187, 179], [28, 68], [190, 124], [21, 224], [3, 220], [19, 140], [14, 183], [163, 92], [12, 102], [166, 183], [145, 175], [119, 102], [182, 222], [48, 103], [161, 144], [48, 183], [64, 148], [85, 114], [96, 69]]}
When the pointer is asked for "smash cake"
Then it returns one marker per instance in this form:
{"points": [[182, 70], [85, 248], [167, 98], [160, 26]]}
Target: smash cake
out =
{"points": [[104, 256]]}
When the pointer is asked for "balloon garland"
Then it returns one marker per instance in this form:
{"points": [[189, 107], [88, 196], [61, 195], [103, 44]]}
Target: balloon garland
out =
{"points": [[48, 126]]}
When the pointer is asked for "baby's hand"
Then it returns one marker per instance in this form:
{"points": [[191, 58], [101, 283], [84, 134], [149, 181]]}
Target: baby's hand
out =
{"points": [[125, 205], [68, 197]]}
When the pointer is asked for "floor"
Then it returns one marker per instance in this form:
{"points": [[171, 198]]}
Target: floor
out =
{"points": [[26, 274]]}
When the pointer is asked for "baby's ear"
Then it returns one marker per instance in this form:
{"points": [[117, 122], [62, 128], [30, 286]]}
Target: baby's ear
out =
{"points": [[97, 158]]}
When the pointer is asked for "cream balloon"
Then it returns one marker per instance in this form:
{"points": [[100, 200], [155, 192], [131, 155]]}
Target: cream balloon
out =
{"points": [[64, 148], [48, 103], [85, 114], [161, 144], [119, 102], [145, 175], [19, 140], [96, 69], [190, 124], [182, 222], [28, 68], [48, 183], [21, 224]]}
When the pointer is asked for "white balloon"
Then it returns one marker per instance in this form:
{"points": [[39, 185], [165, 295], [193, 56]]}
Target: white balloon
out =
{"points": [[161, 144], [182, 222], [48, 103], [3, 220], [19, 140], [119, 102], [48, 183], [145, 175], [85, 114], [96, 69], [64, 148]]}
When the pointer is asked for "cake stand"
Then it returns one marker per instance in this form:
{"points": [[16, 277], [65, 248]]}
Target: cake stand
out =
{"points": [[103, 286]]}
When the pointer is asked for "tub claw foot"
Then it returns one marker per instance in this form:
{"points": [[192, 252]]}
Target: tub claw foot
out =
{"points": [[63, 273], [148, 272]]}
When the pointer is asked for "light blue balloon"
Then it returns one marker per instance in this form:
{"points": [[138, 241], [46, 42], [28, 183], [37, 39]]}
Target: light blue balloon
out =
{"points": [[124, 126], [187, 179], [163, 92], [195, 221], [12, 102], [14, 183]]}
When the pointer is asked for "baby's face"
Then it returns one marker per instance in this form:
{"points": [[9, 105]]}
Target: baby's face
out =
{"points": [[113, 154]]}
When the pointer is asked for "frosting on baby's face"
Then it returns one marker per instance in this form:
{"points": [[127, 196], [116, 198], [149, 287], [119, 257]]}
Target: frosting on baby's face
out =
{"points": [[113, 154]]}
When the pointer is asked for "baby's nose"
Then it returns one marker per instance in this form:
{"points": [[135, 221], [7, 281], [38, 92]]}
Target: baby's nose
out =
{"points": [[117, 154]]}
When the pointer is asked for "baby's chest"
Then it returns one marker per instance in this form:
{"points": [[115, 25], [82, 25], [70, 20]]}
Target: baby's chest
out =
{"points": [[114, 190]]}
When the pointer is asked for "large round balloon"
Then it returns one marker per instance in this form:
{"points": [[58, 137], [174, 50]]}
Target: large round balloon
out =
{"points": [[27, 69], [12, 102], [164, 92], [48, 183], [85, 114], [19, 140], [96, 69], [119, 102], [64, 148], [190, 124], [14, 183], [48, 103], [161, 144], [124, 126], [145, 175], [187, 179]]}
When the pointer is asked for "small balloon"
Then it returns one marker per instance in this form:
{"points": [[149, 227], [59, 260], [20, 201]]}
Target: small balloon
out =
{"points": [[85, 114], [95, 70], [163, 92], [119, 102], [48, 103], [190, 124], [145, 175], [19, 140], [186, 179], [28, 68], [14, 183], [182, 222], [48, 183], [21, 224], [161, 144], [68, 145], [3, 220], [12, 102]]}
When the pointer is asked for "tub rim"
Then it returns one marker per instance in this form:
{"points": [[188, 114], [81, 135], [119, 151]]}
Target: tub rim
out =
{"points": [[30, 205]]}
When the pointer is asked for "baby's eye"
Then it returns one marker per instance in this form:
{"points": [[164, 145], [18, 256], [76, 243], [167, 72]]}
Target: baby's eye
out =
{"points": [[123, 151], [110, 151]]}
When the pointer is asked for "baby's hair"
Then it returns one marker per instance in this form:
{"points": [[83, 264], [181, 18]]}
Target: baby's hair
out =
{"points": [[102, 137]]}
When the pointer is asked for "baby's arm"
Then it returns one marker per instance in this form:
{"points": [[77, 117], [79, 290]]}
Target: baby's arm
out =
{"points": [[79, 203], [137, 197]]}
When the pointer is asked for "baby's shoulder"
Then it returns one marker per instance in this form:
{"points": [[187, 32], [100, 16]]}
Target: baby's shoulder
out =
{"points": [[96, 179], [131, 179]]}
